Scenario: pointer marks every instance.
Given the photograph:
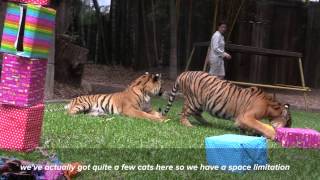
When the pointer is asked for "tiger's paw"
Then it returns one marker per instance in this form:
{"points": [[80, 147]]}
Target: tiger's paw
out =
{"points": [[270, 132], [165, 120], [186, 122]]}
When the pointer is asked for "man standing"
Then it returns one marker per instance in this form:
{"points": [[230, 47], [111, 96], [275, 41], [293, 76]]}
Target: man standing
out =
{"points": [[217, 52]]}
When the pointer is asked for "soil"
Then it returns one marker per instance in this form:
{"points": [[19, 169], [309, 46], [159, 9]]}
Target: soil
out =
{"points": [[107, 79]]}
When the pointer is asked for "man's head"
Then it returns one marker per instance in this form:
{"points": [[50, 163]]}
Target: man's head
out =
{"points": [[222, 27]]}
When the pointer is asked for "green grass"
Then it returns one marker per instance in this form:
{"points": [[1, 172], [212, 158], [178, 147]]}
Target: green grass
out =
{"points": [[121, 140]]}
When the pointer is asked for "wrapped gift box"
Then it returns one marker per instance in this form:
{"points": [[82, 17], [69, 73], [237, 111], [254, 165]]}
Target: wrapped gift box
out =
{"points": [[11, 28], [236, 150], [38, 2], [298, 137], [37, 26], [38, 34], [22, 81], [20, 128]]}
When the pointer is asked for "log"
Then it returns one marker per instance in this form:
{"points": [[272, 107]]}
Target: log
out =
{"points": [[69, 61]]}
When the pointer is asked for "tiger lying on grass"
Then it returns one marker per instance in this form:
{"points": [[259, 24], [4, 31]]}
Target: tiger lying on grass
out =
{"points": [[133, 101], [247, 106]]}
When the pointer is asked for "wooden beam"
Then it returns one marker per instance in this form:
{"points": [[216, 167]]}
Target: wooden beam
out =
{"points": [[284, 87], [255, 50], [262, 51]]}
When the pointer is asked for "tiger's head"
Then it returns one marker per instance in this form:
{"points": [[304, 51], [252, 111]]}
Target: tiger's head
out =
{"points": [[284, 117], [150, 84]]}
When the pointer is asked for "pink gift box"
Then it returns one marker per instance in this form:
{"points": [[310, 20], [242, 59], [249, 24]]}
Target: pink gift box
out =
{"points": [[20, 128], [298, 137], [38, 2], [22, 81]]}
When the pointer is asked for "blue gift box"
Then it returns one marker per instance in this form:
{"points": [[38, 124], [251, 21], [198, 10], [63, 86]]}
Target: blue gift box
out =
{"points": [[235, 153]]}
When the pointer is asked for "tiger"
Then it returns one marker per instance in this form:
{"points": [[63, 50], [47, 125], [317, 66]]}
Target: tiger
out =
{"points": [[245, 106], [134, 101]]}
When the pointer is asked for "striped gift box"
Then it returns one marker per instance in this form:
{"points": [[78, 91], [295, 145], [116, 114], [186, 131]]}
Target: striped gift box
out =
{"points": [[38, 29], [38, 2], [11, 28], [38, 34]]}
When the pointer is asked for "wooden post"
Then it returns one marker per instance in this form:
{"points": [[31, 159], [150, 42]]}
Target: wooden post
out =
{"points": [[303, 84], [189, 59], [206, 61], [49, 86]]}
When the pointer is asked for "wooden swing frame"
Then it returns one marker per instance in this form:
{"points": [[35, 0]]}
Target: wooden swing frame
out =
{"points": [[264, 52]]}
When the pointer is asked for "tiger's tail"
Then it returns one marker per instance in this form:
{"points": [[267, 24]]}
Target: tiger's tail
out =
{"points": [[172, 97]]}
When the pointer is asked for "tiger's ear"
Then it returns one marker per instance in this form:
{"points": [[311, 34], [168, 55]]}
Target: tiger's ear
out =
{"points": [[287, 106], [156, 77]]}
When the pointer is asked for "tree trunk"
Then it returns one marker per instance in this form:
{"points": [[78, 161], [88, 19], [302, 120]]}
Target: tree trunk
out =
{"points": [[173, 41], [155, 46], [113, 10], [96, 54], [178, 12], [214, 27], [215, 16], [189, 29], [81, 24], [100, 28], [134, 33], [145, 33]]}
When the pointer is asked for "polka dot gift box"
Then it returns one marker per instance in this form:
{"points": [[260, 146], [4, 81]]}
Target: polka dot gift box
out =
{"points": [[298, 138], [38, 2], [22, 81], [20, 128]]}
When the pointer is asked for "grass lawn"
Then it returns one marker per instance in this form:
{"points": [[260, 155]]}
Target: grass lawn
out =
{"points": [[120, 140]]}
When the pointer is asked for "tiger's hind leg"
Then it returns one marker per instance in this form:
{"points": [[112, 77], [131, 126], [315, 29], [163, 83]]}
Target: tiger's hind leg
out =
{"points": [[200, 118], [77, 109], [187, 111]]}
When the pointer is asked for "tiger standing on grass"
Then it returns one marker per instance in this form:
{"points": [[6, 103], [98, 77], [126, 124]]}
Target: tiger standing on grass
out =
{"points": [[247, 106], [133, 101]]}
